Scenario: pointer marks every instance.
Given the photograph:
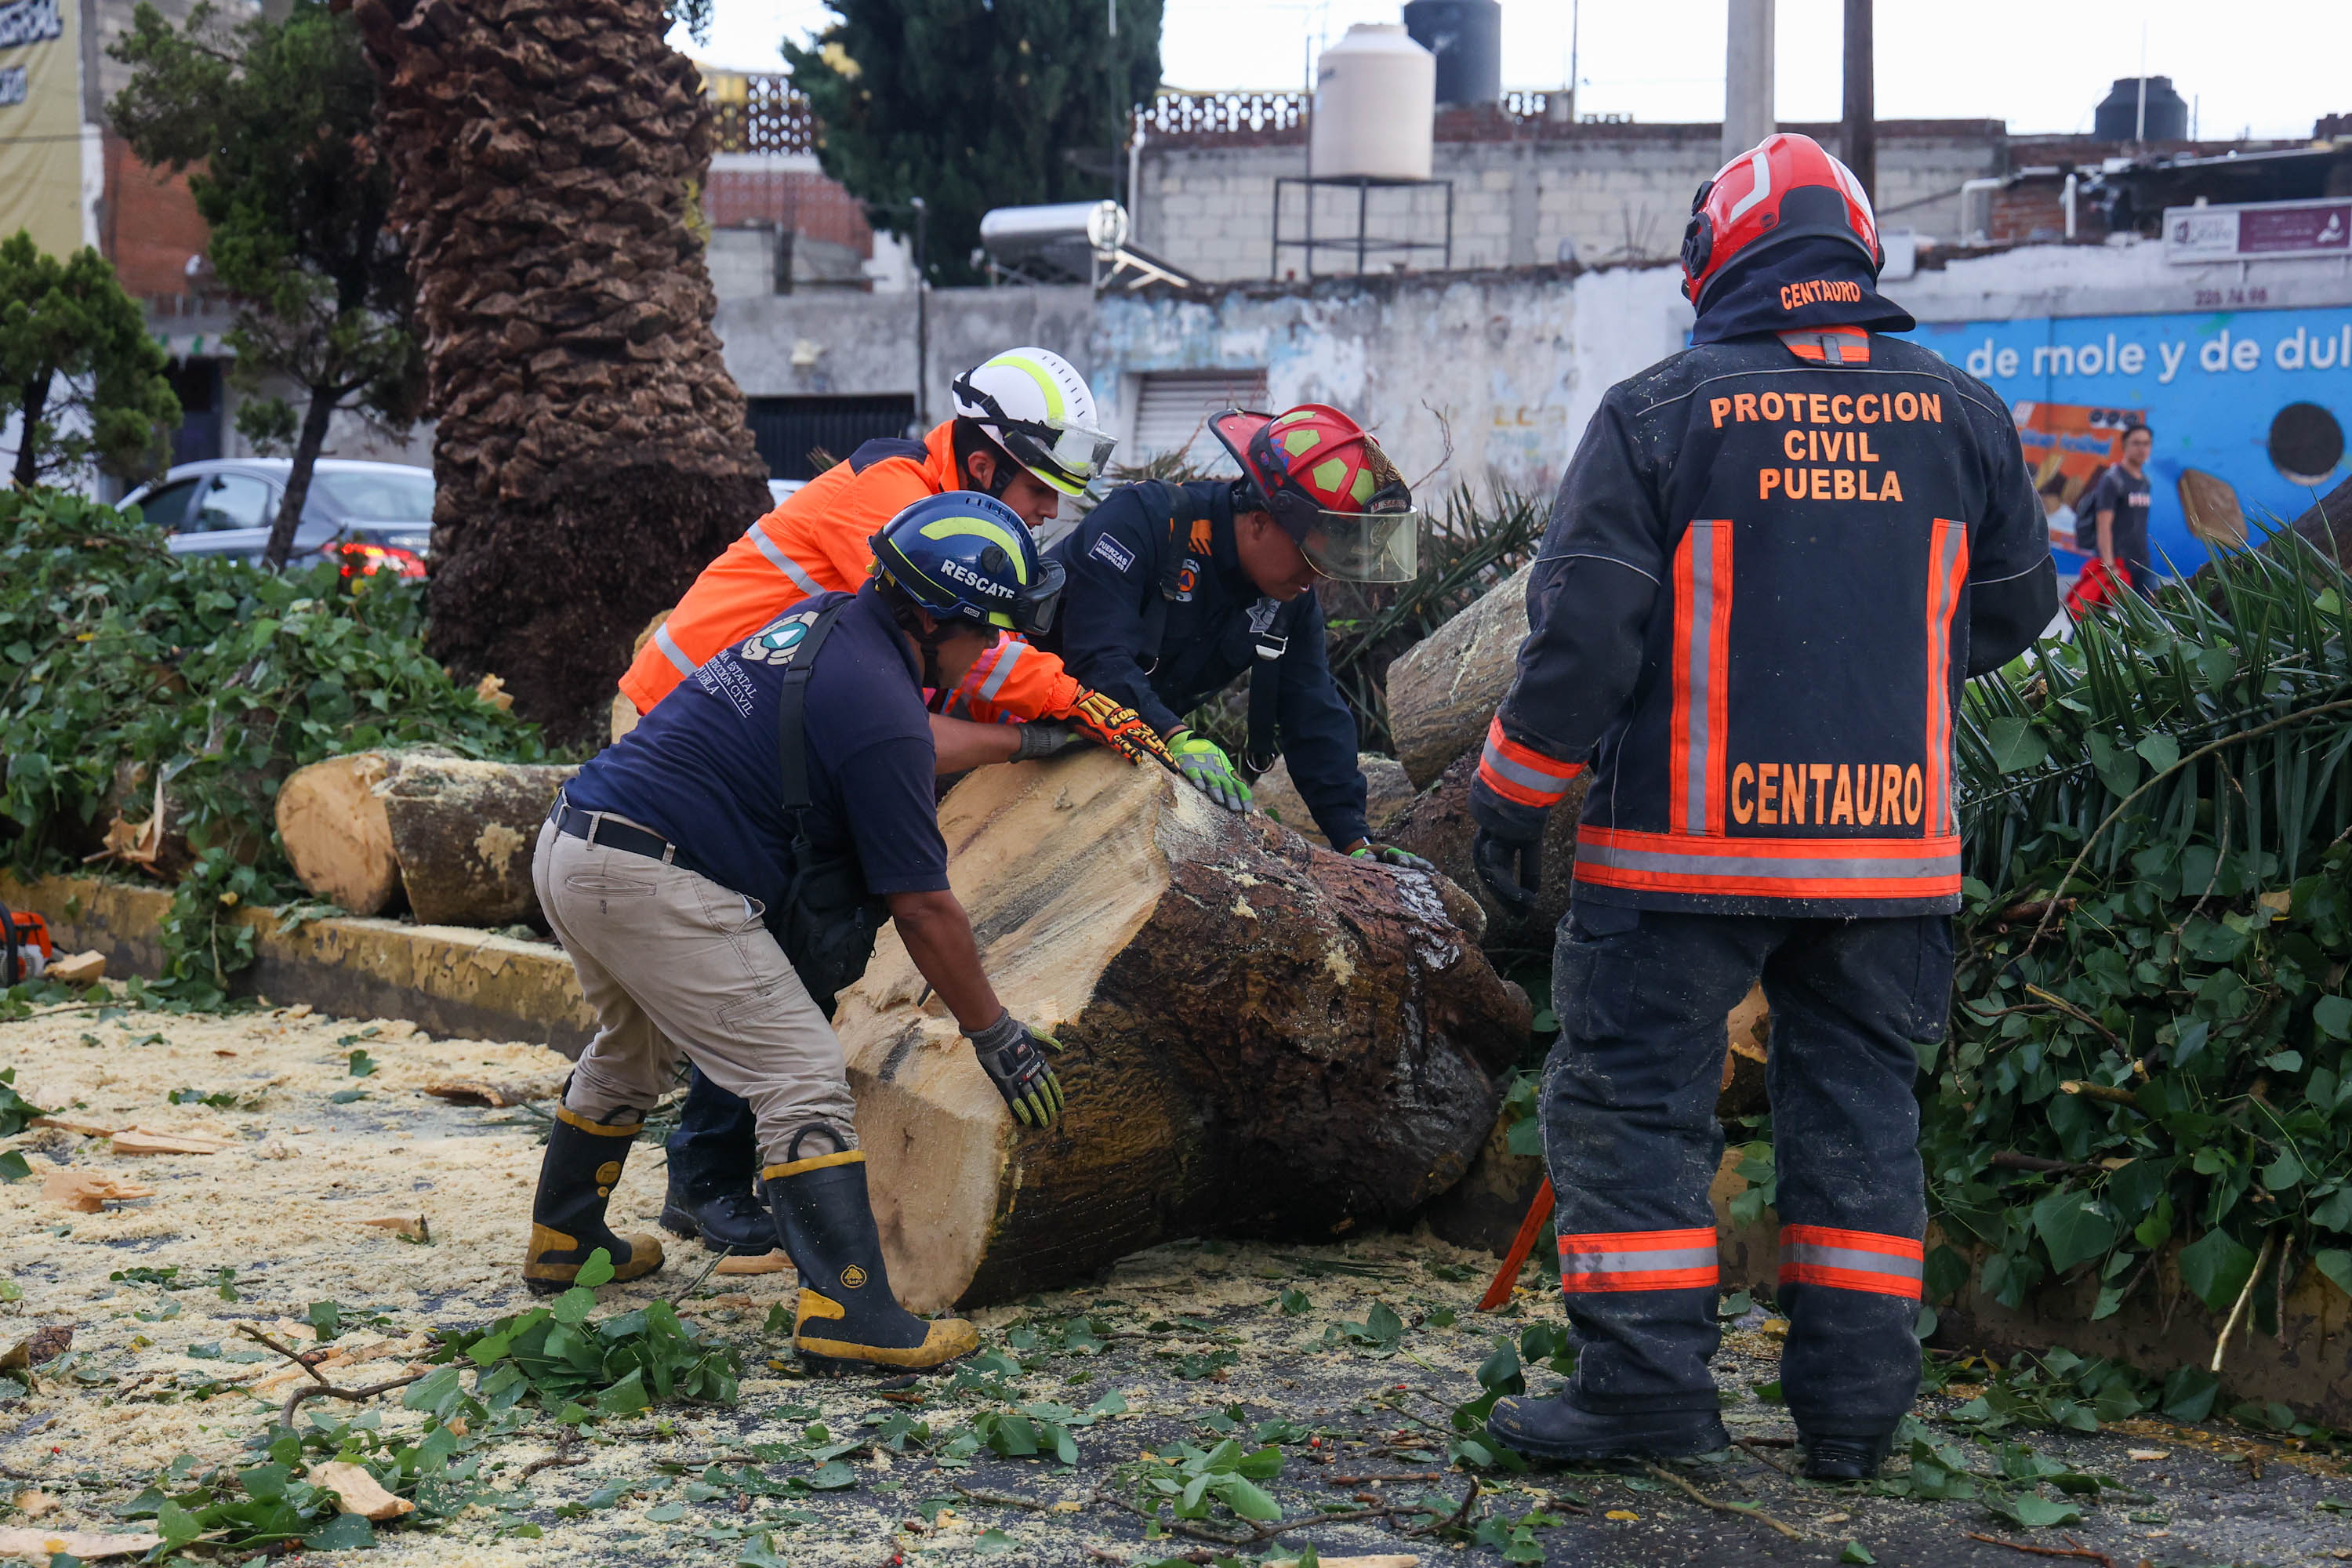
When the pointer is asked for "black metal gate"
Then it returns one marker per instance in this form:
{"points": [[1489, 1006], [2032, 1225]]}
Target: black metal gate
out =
{"points": [[793, 431]]}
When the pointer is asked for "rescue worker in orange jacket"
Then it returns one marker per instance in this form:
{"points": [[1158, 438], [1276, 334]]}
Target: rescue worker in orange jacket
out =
{"points": [[1023, 433], [1774, 560]]}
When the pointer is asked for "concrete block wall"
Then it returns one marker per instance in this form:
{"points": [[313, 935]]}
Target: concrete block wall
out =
{"points": [[1616, 197]]}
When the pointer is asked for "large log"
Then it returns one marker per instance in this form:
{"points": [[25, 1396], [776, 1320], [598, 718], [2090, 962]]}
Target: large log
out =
{"points": [[1443, 689], [1437, 826], [452, 834], [1258, 1036], [1386, 793]]}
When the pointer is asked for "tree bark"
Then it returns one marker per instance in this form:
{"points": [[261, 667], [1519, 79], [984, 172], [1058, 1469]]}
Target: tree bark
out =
{"points": [[1258, 1036], [1437, 828], [453, 834], [1443, 691], [317, 415], [590, 450], [32, 401]]}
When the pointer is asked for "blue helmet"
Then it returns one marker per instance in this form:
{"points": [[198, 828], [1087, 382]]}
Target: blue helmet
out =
{"points": [[965, 556]]}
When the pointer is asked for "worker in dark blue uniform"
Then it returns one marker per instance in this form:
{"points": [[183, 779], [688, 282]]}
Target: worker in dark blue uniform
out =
{"points": [[1774, 560], [720, 872], [1175, 589]]}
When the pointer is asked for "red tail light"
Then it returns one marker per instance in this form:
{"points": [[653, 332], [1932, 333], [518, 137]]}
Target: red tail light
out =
{"points": [[367, 559]]}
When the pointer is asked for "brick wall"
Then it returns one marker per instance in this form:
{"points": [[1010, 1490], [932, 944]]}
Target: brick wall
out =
{"points": [[149, 228]]}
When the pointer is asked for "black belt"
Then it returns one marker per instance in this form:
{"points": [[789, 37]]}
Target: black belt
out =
{"points": [[606, 832]]}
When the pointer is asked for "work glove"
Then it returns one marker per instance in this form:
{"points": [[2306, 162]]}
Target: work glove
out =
{"points": [[1508, 853], [1389, 855], [1012, 1055], [1119, 728], [1045, 737], [1204, 762]]}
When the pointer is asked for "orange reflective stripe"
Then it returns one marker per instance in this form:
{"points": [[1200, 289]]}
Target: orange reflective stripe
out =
{"points": [[1828, 345], [1770, 867], [1521, 774], [1948, 569], [1013, 682], [1697, 743], [817, 536], [1638, 1260], [1852, 1260]]}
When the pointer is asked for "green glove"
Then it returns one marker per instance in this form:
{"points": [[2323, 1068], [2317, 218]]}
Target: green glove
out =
{"points": [[1389, 855], [1010, 1054], [1212, 772]]}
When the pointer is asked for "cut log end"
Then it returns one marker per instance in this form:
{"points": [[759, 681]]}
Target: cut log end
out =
{"points": [[336, 835]]}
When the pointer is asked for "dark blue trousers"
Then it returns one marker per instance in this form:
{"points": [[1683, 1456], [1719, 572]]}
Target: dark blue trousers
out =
{"points": [[713, 1152], [1632, 1144]]}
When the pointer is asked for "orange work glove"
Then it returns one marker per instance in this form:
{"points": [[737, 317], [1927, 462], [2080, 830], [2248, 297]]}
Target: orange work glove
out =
{"points": [[1120, 729]]}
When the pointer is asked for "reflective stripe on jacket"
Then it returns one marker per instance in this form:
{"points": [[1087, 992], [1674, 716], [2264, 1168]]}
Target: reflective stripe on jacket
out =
{"points": [[1751, 611], [814, 542]]}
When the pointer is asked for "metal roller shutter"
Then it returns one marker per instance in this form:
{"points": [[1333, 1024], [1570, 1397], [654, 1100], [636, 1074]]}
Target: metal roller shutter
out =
{"points": [[1172, 409]]}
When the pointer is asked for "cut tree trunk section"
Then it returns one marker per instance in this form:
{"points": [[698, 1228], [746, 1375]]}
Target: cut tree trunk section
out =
{"points": [[452, 834], [1443, 689], [1258, 1036]]}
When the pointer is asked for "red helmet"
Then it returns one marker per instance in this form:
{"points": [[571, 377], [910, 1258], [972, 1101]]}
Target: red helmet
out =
{"points": [[1330, 486], [1789, 187]]}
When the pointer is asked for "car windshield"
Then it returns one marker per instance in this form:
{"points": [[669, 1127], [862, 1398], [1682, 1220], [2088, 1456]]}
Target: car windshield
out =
{"points": [[386, 494]]}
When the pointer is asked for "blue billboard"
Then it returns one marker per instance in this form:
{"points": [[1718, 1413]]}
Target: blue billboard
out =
{"points": [[2247, 409]]}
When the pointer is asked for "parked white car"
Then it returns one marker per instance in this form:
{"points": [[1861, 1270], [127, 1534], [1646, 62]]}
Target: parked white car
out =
{"points": [[376, 517]]}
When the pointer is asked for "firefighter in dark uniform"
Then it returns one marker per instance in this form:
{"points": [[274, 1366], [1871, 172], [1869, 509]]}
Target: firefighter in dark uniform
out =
{"points": [[1773, 561], [1175, 589]]}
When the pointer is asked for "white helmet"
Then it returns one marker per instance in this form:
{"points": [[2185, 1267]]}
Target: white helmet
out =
{"points": [[1035, 406]]}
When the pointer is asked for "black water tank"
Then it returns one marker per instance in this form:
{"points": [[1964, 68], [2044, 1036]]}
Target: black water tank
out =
{"points": [[1466, 36], [2118, 119]]}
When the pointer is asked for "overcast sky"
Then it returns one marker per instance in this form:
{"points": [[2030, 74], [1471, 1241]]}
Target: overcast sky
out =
{"points": [[2041, 65]]}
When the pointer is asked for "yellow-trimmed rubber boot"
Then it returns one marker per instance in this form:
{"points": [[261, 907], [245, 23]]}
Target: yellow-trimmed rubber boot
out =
{"points": [[847, 1314], [567, 1215]]}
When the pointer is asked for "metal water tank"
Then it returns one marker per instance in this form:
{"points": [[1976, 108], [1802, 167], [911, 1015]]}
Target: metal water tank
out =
{"points": [[2117, 117], [1375, 91], [1466, 36]]}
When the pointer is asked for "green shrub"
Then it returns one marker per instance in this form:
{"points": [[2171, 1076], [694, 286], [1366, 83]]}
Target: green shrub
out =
{"points": [[121, 664]]}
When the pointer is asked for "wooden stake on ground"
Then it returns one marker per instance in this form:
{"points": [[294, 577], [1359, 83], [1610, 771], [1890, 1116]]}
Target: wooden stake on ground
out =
{"points": [[1506, 1278]]}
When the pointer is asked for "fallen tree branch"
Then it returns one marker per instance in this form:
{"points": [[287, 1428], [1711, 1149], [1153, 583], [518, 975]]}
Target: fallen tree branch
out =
{"points": [[2238, 1309], [563, 1458], [2079, 1550], [1696, 1496], [1469, 1499], [1002, 1499], [319, 1388], [2010, 1159]]}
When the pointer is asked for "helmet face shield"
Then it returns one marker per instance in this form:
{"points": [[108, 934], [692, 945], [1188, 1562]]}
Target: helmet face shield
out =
{"points": [[1032, 609], [1067, 457], [1363, 546]]}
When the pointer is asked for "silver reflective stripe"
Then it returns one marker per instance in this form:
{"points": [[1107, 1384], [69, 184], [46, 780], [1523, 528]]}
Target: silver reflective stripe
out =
{"points": [[1638, 1262], [1700, 542], [783, 562], [1856, 1259], [1520, 773], [672, 652], [1008, 655], [1937, 864]]}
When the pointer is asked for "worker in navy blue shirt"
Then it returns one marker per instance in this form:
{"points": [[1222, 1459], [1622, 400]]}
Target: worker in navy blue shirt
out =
{"points": [[1175, 589], [707, 875]]}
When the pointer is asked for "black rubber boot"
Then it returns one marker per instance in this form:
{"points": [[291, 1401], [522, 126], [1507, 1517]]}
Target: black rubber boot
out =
{"points": [[1553, 1429], [737, 1223], [567, 1215], [847, 1315], [1841, 1456]]}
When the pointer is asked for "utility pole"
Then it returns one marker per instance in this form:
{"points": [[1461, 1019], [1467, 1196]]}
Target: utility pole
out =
{"points": [[1860, 99], [1747, 78]]}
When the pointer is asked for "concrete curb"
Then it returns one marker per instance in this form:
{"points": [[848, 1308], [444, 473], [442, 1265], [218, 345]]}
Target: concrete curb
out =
{"points": [[447, 980]]}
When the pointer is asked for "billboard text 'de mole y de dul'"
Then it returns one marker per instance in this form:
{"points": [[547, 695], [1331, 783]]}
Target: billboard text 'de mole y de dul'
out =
{"points": [[2248, 410]]}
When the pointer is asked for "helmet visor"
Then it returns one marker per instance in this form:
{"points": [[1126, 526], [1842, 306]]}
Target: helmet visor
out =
{"points": [[1067, 457], [1034, 605], [1364, 546]]}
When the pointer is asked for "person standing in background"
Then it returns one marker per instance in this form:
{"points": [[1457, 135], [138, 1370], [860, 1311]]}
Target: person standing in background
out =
{"points": [[2116, 506]]}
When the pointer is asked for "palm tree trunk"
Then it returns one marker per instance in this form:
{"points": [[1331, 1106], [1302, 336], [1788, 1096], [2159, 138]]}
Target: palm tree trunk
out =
{"points": [[591, 452]]}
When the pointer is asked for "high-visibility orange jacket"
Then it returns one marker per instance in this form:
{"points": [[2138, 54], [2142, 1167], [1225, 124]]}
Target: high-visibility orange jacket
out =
{"points": [[814, 543]]}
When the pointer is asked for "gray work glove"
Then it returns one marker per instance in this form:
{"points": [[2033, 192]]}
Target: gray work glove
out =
{"points": [[1012, 1055], [1044, 738]]}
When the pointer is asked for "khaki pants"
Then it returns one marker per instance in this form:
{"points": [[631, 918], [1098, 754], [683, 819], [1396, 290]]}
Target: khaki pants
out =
{"points": [[674, 962]]}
